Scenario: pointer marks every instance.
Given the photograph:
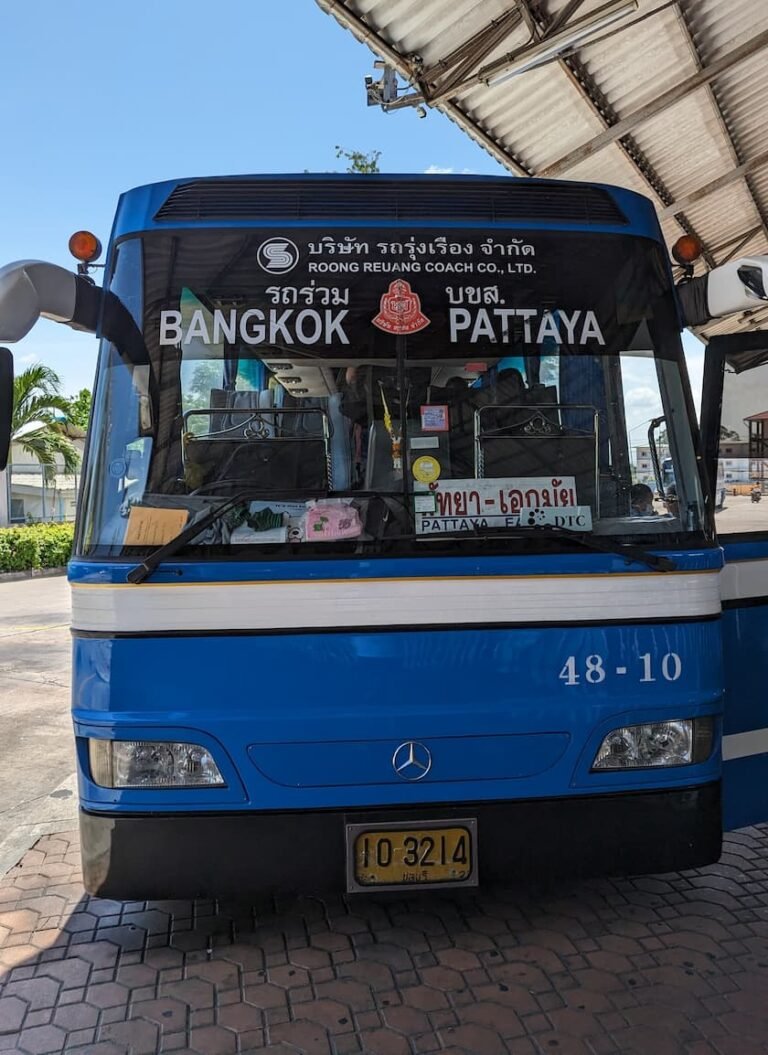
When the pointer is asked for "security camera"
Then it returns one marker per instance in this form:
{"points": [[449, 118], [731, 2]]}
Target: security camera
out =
{"points": [[372, 93]]}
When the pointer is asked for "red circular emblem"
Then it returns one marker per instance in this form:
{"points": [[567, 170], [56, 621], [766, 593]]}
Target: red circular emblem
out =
{"points": [[400, 310]]}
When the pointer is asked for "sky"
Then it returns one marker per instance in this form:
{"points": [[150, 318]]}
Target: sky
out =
{"points": [[101, 97]]}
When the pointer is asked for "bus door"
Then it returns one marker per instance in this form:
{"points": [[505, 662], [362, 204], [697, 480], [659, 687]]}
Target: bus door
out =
{"points": [[735, 433]]}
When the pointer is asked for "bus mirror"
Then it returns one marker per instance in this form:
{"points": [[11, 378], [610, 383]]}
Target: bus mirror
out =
{"points": [[656, 424], [31, 288], [741, 285], [734, 353], [6, 404]]}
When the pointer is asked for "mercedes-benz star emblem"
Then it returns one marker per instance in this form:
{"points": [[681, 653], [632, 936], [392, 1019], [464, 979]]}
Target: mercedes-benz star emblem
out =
{"points": [[412, 760]]}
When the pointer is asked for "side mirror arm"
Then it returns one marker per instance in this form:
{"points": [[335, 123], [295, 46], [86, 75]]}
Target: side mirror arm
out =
{"points": [[6, 405]]}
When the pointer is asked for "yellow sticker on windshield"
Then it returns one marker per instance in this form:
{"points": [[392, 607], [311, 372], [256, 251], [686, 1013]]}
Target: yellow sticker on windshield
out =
{"points": [[426, 469]]}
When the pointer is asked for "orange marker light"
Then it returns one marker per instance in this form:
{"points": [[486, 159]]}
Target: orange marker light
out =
{"points": [[85, 246], [687, 249]]}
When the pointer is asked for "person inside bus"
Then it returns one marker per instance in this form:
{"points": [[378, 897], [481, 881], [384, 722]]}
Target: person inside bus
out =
{"points": [[641, 501], [670, 501], [507, 392], [510, 387]]}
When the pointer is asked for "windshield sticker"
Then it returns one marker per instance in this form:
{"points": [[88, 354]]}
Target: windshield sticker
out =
{"points": [[152, 526], [574, 518], [528, 501], [426, 469], [434, 418], [329, 520], [503, 496], [531, 501], [246, 536], [425, 503]]}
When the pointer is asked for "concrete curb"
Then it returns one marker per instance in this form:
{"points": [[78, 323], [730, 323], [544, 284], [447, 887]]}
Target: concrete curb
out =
{"points": [[54, 812], [31, 573]]}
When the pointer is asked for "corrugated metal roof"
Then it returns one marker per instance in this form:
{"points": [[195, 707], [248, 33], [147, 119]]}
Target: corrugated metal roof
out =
{"points": [[667, 100]]}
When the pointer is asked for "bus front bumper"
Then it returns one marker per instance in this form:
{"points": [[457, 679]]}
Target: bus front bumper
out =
{"points": [[171, 855]]}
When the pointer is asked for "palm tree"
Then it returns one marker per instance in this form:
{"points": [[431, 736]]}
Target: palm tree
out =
{"points": [[40, 417]]}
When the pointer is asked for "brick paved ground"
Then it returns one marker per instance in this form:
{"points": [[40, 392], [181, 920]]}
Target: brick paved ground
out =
{"points": [[654, 966]]}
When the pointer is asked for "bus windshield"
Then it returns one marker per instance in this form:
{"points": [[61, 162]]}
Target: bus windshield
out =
{"points": [[372, 391]]}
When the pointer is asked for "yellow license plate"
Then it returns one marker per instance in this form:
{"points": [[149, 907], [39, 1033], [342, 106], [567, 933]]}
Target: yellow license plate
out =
{"points": [[412, 856]]}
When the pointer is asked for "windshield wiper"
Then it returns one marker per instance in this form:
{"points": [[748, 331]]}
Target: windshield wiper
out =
{"points": [[143, 570], [199, 524], [602, 544], [599, 543]]}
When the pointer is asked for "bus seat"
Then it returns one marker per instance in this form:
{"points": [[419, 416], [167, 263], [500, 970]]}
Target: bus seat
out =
{"points": [[341, 447], [281, 458], [218, 400], [551, 449]]}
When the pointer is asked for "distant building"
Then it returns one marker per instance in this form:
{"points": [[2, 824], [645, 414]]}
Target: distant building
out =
{"points": [[25, 495], [758, 446], [644, 471], [734, 461]]}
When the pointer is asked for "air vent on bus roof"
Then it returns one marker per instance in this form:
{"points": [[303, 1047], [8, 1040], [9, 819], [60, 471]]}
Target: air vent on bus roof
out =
{"points": [[256, 199]]}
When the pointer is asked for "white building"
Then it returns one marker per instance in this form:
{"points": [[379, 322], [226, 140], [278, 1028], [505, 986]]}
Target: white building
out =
{"points": [[644, 472], [26, 495], [734, 461]]}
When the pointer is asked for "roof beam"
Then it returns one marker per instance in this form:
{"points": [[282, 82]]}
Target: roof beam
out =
{"points": [[472, 52], [715, 92], [585, 84], [564, 14], [741, 241], [527, 17], [714, 185], [509, 21], [754, 318], [656, 106]]}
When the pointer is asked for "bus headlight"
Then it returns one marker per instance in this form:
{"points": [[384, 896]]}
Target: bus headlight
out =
{"points": [[151, 764], [681, 742]]}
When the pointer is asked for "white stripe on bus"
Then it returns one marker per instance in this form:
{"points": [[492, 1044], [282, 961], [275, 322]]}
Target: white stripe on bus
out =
{"points": [[742, 745], [359, 603], [744, 578]]}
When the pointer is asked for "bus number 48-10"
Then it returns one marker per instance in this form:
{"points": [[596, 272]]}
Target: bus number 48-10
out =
{"points": [[593, 670]]}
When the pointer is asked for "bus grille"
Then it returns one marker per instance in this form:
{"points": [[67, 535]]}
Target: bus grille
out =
{"points": [[375, 199]]}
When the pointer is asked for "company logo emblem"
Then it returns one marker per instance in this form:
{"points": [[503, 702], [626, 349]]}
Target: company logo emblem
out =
{"points": [[412, 760], [400, 310], [277, 255]]}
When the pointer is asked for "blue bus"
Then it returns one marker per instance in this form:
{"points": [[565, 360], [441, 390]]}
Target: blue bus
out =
{"points": [[358, 598]]}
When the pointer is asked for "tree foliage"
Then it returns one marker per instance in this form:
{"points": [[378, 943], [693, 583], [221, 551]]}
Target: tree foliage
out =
{"points": [[80, 408], [360, 161], [40, 416], [728, 434]]}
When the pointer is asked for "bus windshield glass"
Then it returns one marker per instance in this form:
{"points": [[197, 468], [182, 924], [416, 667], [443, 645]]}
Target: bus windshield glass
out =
{"points": [[388, 392]]}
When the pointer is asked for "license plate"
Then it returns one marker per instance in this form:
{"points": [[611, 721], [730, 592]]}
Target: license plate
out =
{"points": [[423, 854]]}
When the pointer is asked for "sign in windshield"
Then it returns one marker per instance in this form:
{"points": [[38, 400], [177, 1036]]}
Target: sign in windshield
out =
{"points": [[366, 386], [328, 290]]}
